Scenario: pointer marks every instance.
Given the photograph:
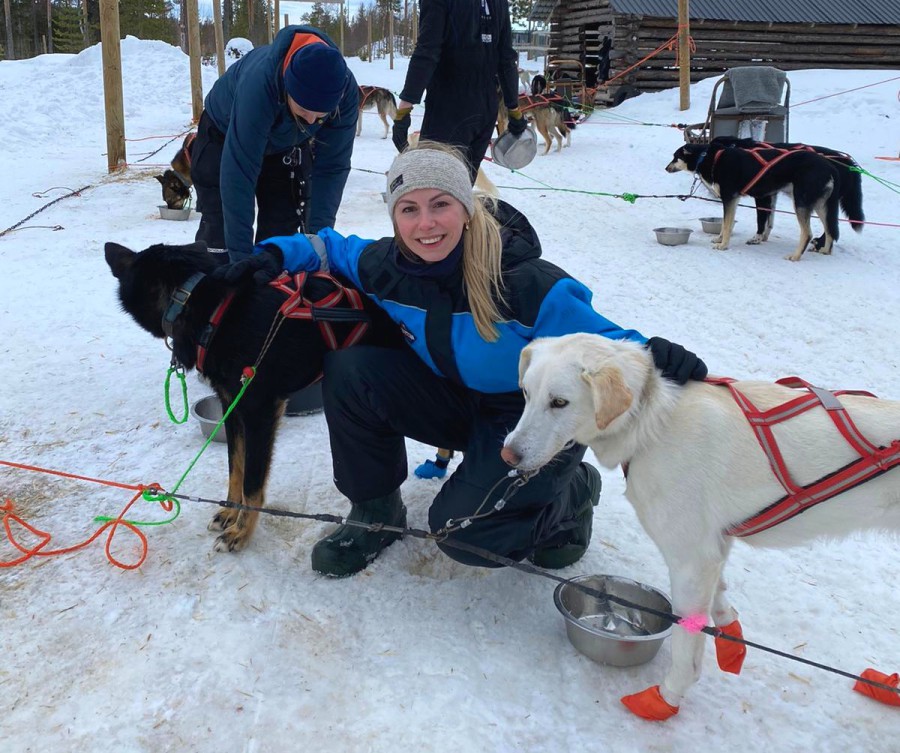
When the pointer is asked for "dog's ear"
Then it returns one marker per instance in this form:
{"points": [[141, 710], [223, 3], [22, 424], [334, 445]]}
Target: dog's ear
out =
{"points": [[161, 178], [119, 258], [524, 361], [610, 393]]}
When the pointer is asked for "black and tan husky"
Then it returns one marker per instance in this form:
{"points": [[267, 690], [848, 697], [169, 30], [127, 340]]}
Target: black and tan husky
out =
{"points": [[730, 171], [176, 181], [381, 99], [850, 194], [173, 282]]}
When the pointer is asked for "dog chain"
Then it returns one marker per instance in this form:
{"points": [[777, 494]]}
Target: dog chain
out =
{"points": [[455, 524]]}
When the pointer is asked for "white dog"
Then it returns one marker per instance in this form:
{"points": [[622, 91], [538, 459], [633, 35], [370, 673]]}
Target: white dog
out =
{"points": [[695, 469]]}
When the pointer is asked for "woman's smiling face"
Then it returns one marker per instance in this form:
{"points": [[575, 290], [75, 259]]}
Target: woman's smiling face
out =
{"points": [[430, 223]]}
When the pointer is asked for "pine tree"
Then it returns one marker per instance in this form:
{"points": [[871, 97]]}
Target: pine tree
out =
{"points": [[67, 36]]}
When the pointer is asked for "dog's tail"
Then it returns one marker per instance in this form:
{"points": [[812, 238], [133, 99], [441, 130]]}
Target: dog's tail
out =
{"points": [[851, 197]]}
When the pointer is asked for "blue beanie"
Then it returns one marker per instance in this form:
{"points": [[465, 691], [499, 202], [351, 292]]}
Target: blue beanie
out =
{"points": [[315, 77]]}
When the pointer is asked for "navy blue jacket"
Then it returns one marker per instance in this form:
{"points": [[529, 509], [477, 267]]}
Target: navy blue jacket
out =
{"points": [[434, 315], [249, 105]]}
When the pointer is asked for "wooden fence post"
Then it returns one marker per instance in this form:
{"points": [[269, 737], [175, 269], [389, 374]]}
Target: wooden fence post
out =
{"points": [[684, 54], [277, 15], [193, 25], [111, 54], [7, 14], [220, 36]]}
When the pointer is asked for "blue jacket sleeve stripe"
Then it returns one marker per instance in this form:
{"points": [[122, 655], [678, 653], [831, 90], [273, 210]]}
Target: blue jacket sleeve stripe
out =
{"points": [[567, 308]]}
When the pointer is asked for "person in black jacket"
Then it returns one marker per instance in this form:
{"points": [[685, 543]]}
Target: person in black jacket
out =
{"points": [[464, 280], [463, 51]]}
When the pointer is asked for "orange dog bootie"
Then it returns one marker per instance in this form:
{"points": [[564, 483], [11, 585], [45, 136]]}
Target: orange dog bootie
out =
{"points": [[882, 695], [650, 705], [730, 654]]}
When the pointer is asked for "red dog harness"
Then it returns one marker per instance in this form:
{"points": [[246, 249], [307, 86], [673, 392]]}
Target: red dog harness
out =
{"points": [[529, 102], [365, 92], [342, 304], [872, 462]]}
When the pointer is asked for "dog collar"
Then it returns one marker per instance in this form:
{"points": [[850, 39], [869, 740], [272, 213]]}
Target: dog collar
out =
{"points": [[178, 300]]}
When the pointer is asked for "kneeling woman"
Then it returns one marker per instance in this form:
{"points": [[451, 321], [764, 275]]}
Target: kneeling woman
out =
{"points": [[463, 278]]}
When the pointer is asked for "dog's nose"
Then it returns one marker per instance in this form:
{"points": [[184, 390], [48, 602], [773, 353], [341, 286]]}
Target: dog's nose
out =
{"points": [[510, 457]]}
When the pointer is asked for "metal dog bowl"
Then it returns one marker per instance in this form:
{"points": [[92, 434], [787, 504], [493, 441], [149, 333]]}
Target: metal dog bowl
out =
{"points": [[174, 214], [711, 225], [306, 401], [208, 411], [672, 236], [607, 632]]}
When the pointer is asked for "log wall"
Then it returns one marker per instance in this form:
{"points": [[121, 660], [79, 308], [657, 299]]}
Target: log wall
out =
{"points": [[720, 45]]}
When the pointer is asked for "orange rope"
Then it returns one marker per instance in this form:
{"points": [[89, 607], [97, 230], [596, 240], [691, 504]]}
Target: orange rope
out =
{"points": [[44, 538], [670, 44]]}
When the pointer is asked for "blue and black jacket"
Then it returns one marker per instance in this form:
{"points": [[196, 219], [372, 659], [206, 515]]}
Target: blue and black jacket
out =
{"points": [[434, 315], [249, 105]]}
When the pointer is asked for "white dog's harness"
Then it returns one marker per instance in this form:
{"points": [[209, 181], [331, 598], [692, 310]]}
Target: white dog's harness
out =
{"points": [[872, 462]]}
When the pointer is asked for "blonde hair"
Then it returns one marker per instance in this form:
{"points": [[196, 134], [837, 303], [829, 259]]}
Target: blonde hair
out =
{"points": [[481, 258]]}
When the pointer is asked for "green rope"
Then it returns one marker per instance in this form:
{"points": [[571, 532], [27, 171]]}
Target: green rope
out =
{"points": [[150, 495], [179, 372], [629, 197], [886, 183]]}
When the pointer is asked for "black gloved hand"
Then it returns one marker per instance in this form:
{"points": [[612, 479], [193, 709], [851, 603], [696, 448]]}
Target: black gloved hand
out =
{"points": [[517, 123], [675, 361], [262, 268], [400, 131]]}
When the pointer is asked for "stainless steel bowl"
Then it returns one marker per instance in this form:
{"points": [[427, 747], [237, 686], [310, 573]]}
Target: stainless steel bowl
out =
{"points": [[174, 214], [208, 412], [672, 236], [711, 225], [610, 633]]}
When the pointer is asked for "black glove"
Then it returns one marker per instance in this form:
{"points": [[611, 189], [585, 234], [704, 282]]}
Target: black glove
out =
{"points": [[262, 268], [400, 131], [675, 361], [517, 123]]}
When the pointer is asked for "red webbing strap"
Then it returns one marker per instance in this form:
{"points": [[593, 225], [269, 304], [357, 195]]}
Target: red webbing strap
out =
{"points": [[872, 462], [297, 306], [537, 100], [366, 92], [186, 149], [214, 320]]}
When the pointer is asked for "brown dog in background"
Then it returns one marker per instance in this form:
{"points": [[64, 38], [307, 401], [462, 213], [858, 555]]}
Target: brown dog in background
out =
{"points": [[379, 98]]}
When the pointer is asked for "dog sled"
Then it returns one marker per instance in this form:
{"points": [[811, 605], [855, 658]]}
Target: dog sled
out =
{"points": [[748, 102]]}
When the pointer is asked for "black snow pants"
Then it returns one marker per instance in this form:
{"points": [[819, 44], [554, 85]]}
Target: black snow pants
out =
{"points": [[375, 397]]}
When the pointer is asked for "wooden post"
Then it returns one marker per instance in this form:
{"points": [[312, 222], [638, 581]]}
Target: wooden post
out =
{"points": [[220, 36], [684, 53], [193, 21], [369, 18], [277, 15], [269, 23], [111, 54], [342, 28], [49, 28], [415, 25], [86, 31], [287, 21], [7, 14], [391, 34]]}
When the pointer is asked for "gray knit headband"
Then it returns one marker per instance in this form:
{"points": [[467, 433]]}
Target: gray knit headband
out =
{"points": [[429, 168]]}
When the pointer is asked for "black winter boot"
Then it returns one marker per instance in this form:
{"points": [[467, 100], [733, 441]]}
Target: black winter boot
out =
{"points": [[348, 549], [569, 546]]}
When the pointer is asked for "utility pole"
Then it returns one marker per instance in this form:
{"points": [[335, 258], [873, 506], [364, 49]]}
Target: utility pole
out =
{"points": [[684, 53]]}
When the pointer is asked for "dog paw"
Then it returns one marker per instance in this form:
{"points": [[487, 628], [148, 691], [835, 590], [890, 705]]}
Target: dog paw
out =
{"points": [[755, 240], [794, 256], [720, 246], [717, 238], [222, 520], [232, 540]]}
